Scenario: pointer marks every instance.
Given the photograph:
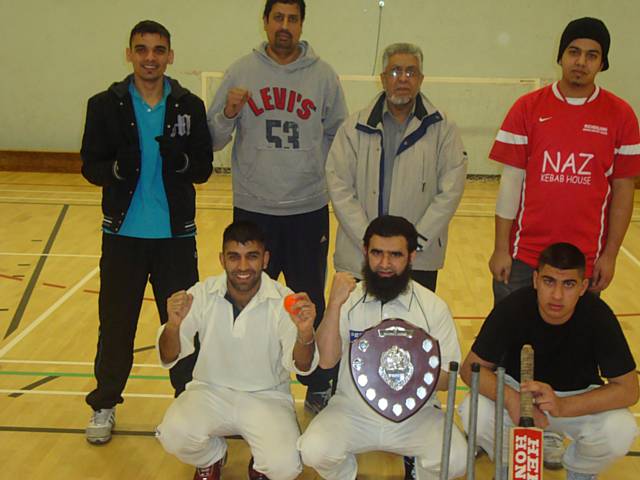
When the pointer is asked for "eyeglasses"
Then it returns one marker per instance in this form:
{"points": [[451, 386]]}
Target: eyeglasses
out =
{"points": [[398, 72]]}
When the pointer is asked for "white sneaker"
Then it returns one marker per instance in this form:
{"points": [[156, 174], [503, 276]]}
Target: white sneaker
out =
{"points": [[571, 475], [553, 450], [99, 429]]}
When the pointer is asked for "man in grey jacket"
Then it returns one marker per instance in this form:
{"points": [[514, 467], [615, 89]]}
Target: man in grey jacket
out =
{"points": [[399, 156], [285, 105]]}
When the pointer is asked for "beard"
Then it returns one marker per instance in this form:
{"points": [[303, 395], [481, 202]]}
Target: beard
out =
{"points": [[399, 100], [385, 289], [283, 41]]}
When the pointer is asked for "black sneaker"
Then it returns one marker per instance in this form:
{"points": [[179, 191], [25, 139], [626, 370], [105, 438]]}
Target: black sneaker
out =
{"points": [[409, 468], [315, 401]]}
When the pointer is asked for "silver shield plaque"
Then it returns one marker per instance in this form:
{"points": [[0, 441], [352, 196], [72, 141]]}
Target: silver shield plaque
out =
{"points": [[395, 367]]}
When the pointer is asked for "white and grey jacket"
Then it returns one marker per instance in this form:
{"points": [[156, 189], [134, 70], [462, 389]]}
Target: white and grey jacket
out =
{"points": [[428, 180]]}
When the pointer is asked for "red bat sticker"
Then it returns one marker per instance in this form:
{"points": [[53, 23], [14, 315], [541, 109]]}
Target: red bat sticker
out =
{"points": [[527, 455]]}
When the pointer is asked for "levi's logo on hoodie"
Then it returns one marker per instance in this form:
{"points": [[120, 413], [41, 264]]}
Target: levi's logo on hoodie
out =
{"points": [[279, 98]]}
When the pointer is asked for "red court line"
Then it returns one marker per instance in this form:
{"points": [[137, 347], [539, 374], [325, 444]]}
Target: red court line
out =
{"points": [[17, 278], [147, 299], [636, 314]]}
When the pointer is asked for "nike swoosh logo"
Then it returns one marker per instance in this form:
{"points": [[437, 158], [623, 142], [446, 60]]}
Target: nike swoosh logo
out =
{"points": [[544, 119]]}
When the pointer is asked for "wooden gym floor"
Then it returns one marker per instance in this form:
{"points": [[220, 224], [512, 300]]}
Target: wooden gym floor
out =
{"points": [[49, 251]]}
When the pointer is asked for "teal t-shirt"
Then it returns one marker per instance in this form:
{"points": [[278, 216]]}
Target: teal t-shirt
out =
{"points": [[148, 214]]}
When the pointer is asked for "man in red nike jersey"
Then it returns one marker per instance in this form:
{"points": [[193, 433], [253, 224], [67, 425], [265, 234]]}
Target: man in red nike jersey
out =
{"points": [[570, 152]]}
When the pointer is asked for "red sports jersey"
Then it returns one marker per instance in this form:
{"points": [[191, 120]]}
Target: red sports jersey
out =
{"points": [[570, 154]]}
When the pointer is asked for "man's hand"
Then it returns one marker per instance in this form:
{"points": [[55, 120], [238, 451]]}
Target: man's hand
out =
{"points": [[512, 404], [303, 314], [342, 286], [174, 158], [544, 398], [178, 306], [236, 99], [127, 163], [500, 266], [603, 271]]}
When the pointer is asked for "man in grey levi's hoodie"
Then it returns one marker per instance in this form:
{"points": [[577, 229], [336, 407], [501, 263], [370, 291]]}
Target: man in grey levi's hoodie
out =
{"points": [[285, 105]]}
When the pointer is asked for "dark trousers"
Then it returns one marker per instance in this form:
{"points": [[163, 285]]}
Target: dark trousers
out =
{"points": [[298, 246], [428, 279], [125, 267]]}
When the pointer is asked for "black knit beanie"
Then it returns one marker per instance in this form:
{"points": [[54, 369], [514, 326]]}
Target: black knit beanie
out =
{"points": [[587, 27]]}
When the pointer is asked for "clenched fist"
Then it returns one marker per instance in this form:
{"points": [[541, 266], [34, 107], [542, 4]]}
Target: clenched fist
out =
{"points": [[236, 99], [343, 284], [178, 306]]}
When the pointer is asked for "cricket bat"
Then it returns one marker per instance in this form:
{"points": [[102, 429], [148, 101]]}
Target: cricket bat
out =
{"points": [[525, 445]]}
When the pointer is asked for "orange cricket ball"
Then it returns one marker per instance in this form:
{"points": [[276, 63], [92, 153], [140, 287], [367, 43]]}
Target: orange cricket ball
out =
{"points": [[290, 303]]}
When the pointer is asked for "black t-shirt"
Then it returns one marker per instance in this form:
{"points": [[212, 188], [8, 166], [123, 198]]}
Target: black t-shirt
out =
{"points": [[570, 356]]}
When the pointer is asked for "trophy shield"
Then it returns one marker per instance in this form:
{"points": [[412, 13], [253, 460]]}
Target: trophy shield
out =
{"points": [[395, 367]]}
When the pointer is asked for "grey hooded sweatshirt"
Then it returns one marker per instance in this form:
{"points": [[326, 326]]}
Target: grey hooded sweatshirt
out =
{"points": [[283, 133]]}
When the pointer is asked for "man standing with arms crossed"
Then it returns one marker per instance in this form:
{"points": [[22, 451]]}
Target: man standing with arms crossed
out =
{"points": [[572, 147], [145, 143], [285, 105]]}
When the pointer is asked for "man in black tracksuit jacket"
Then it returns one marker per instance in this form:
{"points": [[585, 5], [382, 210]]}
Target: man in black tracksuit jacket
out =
{"points": [[146, 143]]}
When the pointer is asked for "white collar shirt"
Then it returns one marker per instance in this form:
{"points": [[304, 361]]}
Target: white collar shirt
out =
{"points": [[252, 353]]}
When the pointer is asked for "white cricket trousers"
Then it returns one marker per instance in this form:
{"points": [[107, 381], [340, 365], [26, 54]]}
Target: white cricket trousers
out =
{"points": [[598, 439], [194, 424], [340, 431]]}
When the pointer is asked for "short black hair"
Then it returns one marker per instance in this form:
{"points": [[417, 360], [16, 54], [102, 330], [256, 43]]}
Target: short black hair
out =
{"points": [[270, 3], [563, 256], [150, 26], [243, 231], [392, 226]]}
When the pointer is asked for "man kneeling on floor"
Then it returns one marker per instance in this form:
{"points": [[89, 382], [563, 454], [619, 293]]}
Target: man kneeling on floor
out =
{"points": [[249, 347], [348, 425], [576, 338]]}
